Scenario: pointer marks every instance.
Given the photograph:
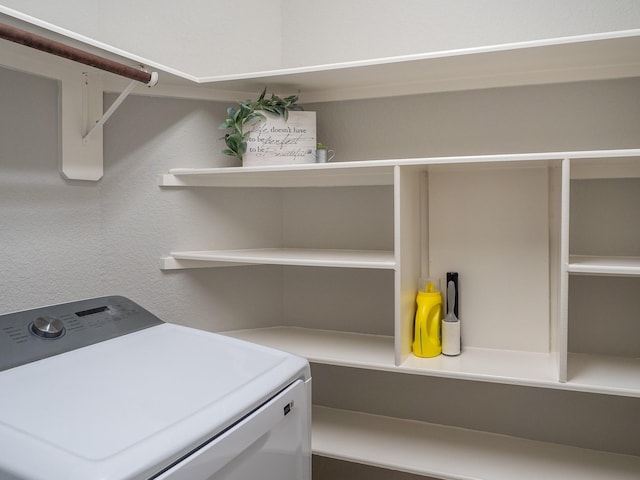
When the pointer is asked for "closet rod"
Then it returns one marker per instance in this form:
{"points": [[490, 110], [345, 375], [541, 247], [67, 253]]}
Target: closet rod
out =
{"points": [[56, 48]]}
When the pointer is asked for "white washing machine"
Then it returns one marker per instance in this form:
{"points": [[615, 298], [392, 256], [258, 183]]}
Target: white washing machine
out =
{"points": [[101, 389]]}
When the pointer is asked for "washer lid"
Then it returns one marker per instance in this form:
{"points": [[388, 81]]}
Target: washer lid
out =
{"points": [[128, 407]]}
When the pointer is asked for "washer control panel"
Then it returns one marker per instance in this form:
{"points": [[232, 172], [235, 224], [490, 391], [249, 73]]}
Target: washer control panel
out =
{"points": [[48, 327], [32, 335]]}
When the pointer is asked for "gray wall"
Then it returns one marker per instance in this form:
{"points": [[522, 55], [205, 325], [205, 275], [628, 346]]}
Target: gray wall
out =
{"points": [[560, 117]]}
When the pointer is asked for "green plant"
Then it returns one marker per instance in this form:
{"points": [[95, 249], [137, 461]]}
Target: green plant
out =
{"points": [[249, 113]]}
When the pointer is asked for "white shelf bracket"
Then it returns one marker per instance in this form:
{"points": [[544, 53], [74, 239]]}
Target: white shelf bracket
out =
{"points": [[80, 104], [82, 118]]}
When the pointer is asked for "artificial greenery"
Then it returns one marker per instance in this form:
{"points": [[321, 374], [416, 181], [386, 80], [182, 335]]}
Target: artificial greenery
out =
{"points": [[248, 113]]}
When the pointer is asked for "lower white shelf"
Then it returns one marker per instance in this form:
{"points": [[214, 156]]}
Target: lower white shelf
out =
{"points": [[378, 259], [604, 373], [326, 346], [376, 352], [455, 453], [587, 373]]}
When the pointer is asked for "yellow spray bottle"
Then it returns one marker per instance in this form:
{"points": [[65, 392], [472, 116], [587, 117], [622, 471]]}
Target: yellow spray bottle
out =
{"points": [[426, 338]]}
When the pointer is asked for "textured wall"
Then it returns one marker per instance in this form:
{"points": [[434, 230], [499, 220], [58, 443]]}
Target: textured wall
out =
{"points": [[65, 240], [50, 233], [142, 222]]}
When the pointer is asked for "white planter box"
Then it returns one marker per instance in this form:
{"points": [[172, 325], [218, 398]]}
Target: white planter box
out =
{"points": [[274, 141]]}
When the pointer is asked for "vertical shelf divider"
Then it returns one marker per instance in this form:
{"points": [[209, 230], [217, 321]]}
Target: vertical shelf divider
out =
{"points": [[408, 227], [555, 264], [563, 326], [424, 224]]}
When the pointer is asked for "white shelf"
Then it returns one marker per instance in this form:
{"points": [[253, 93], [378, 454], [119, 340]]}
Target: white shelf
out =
{"points": [[599, 168], [595, 265], [375, 352], [492, 365], [604, 374], [377, 259], [588, 373], [326, 346], [569, 59], [457, 454], [302, 175], [381, 172]]}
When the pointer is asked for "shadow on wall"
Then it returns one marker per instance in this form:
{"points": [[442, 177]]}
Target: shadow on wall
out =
{"points": [[560, 117], [176, 132], [599, 422]]}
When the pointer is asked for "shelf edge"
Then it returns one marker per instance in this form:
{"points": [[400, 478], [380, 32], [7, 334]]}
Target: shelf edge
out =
{"points": [[215, 258]]}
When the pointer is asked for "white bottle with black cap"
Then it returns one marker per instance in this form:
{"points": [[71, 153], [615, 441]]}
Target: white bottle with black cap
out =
{"points": [[451, 324]]}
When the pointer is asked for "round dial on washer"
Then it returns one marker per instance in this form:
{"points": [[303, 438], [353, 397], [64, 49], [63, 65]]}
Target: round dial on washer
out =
{"points": [[47, 327]]}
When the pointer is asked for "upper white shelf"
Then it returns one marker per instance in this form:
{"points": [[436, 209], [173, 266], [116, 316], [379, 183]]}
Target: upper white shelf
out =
{"points": [[585, 57], [302, 175], [597, 168], [593, 265], [567, 59], [381, 172]]}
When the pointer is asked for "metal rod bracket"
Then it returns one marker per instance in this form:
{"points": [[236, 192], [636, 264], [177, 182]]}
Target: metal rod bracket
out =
{"points": [[110, 111], [118, 101]]}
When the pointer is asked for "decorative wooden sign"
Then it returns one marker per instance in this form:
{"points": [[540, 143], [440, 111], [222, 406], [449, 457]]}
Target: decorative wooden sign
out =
{"points": [[274, 141]]}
